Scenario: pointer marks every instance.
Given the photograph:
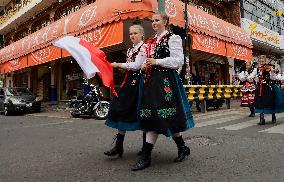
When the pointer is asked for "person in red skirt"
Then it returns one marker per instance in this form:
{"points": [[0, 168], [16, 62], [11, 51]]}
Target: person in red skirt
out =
{"points": [[247, 78]]}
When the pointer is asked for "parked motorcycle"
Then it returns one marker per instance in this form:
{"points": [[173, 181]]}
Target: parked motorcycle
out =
{"points": [[91, 105], [74, 101]]}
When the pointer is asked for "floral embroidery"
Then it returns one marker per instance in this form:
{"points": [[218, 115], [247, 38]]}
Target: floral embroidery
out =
{"points": [[167, 112], [133, 83], [145, 113], [168, 90]]}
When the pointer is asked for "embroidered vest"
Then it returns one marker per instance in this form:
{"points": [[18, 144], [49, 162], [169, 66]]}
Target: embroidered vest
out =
{"points": [[162, 48], [133, 56]]}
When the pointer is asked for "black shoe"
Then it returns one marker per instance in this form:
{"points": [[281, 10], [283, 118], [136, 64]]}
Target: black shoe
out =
{"points": [[183, 152], [273, 118], [141, 164], [145, 160], [140, 152], [261, 120], [252, 115], [118, 148], [143, 145]]}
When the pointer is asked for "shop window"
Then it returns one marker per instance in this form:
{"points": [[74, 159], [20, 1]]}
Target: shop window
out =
{"points": [[68, 9], [72, 79], [41, 23], [208, 7], [21, 34], [211, 73], [261, 13]]}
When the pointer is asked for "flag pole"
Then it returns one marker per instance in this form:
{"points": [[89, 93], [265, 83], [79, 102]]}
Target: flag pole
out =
{"points": [[187, 43]]}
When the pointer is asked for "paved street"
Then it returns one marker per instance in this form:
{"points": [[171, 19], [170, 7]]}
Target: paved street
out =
{"points": [[226, 146]]}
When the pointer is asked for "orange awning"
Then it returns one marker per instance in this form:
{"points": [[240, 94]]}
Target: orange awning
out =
{"points": [[210, 34], [103, 36], [83, 21], [208, 44], [239, 52], [14, 64]]}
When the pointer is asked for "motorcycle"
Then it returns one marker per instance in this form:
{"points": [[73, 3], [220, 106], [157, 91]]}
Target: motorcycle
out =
{"points": [[74, 101], [91, 105]]}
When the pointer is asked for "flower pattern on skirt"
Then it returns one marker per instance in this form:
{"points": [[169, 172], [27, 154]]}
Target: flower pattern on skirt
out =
{"points": [[167, 112], [168, 90], [133, 83], [145, 113]]}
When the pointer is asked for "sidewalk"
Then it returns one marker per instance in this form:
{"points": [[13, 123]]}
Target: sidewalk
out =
{"points": [[62, 111], [51, 110]]}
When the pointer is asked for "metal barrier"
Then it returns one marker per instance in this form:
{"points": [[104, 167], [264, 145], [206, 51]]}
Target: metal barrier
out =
{"points": [[209, 92]]}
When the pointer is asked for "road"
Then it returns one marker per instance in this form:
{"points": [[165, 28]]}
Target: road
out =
{"points": [[226, 146]]}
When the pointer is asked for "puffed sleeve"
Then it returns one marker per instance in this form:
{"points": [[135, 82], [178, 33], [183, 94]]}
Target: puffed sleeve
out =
{"points": [[253, 74], [176, 59], [273, 76], [139, 60], [242, 76], [279, 77]]}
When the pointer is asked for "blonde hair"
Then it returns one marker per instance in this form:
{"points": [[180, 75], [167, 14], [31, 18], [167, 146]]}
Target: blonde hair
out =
{"points": [[262, 59], [140, 28], [165, 18]]}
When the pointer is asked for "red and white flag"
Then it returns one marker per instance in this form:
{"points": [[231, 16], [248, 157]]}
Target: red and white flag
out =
{"points": [[91, 59]]}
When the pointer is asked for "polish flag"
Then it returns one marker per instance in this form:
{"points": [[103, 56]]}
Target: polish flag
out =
{"points": [[91, 59]]}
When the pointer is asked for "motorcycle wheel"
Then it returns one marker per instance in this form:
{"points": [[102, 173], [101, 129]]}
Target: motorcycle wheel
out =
{"points": [[101, 112]]}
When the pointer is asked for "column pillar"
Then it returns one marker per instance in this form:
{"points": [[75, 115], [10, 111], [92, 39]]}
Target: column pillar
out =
{"points": [[53, 94], [231, 68], [29, 80]]}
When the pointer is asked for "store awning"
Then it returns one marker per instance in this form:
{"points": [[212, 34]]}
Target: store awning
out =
{"points": [[99, 23], [211, 34]]}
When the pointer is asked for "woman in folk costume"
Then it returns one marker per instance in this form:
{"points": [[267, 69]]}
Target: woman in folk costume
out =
{"points": [[269, 98], [247, 77], [164, 105], [123, 113]]}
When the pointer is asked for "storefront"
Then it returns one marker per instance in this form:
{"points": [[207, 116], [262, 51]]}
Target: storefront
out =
{"points": [[209, 69], [215, 44], [56, 76], [72, 79], [53, 76], [263, 21]]}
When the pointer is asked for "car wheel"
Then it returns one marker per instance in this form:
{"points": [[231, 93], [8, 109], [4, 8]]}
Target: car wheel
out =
{"points": [[6, 110]]}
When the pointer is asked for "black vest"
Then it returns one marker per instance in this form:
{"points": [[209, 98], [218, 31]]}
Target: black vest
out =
{"points": [[162, 48]]}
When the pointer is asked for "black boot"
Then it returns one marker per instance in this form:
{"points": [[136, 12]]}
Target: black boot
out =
{"points": [[145, 160], [273, 118], [143, 145], [261, 119], [183, 150], [252, 114], [118, 148]]}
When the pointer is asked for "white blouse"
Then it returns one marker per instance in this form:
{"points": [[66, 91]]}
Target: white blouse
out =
{"points": [[176, 59], [139, 60], [244, 75]]}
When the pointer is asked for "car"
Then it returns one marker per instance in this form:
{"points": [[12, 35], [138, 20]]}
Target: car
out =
{"points": [[18, 100]]}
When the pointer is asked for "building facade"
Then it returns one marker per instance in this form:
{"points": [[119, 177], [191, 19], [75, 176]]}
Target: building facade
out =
{"points": [[264, 21], [28, 58], [214, 56], [29, 28]]}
